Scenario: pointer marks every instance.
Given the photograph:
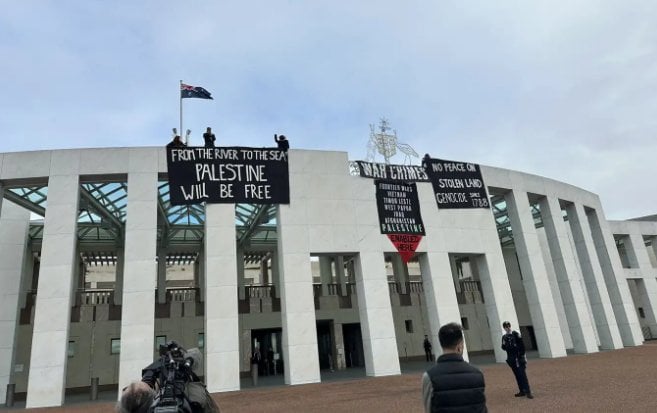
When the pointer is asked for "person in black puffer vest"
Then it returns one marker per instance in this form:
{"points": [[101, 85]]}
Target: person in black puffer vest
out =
{"points": [[453, 385]]}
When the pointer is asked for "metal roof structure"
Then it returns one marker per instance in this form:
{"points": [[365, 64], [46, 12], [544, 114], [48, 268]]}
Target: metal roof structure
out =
{"points": [[501, 215], [102, 217]]}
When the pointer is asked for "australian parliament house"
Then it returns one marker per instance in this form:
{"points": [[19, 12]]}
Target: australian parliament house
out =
{"points": [[318, 262]]}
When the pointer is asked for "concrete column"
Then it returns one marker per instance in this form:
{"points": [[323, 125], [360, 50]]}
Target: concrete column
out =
{"points": [[350, 270], [376, 321], [162, 276], [297, 301], [325, 273], [614, 277], [568, 277], [47, 377], [140, 267], [340, 275], [264, 271], [455, 275], [647, 286], [201, 275], [241, 290], [118, 284], [647, 294], [196, 273], [400, 271], [339, 360], [537, 285], [497, 295], [275, 274], [440, 296], [78, 276], [28, 276], [82, 276], [601, 308], [14, 225], [222, 346], [630, 251]]}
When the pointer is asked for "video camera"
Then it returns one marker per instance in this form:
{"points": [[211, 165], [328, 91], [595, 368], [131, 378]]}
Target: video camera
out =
{"points": [[169, 376]]}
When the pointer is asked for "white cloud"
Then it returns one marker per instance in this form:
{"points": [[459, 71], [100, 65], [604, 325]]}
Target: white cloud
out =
{"points": [[558, 88]]}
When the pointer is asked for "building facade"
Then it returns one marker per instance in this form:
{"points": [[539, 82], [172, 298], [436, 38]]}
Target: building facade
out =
{"points": [[97, 268]]}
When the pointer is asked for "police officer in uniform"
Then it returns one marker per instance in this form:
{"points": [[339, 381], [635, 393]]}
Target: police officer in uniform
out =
{"points": [[516, 359]]}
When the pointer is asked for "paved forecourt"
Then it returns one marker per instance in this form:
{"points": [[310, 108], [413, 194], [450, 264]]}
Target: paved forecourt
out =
{"points": [[621, 380]]}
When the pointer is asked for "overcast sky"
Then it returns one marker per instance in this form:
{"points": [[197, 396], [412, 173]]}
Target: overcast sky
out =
{"points": [[563, 89]]}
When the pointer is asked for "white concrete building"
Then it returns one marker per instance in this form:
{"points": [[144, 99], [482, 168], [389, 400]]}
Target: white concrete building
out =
{"points": [[97, 267]]}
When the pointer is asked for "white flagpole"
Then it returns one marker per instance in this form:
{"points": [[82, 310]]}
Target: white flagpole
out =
{"points": [[181, 129]]}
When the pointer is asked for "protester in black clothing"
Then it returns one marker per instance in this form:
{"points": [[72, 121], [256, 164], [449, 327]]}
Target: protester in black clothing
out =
{"points": [[282, 142], [516, 359], [427, 348], [209, 138], [425, 160], [176, 143], [453, 385]]}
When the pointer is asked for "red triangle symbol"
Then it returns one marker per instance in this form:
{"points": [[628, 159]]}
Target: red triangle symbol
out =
{"points": [[406, 244]]}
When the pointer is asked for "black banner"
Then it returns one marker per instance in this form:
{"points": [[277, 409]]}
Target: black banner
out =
{"points": [[457, 184], [399, 208], [404, 173], [228, 175]]}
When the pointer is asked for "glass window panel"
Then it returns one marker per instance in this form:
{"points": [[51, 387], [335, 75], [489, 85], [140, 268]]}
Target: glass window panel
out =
{"points": [[160, 341], [115, 346]]}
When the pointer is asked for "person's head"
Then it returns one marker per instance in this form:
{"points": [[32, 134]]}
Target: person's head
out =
{"points": [[137, 397], [176, 138], [506, 326], [451, 338], [282, 137], [208, 129]]}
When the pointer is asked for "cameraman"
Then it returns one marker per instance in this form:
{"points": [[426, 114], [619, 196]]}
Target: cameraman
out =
{"points": [[137, 397], [172, 382]]}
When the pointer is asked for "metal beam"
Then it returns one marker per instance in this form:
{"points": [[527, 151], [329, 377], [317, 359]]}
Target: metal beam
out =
{"points": [[165, 222], [25, 203], [252, 225], [101, 210]]}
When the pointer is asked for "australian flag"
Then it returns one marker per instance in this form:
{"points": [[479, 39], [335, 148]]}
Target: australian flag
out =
{"points": [[188, 91]]}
